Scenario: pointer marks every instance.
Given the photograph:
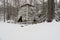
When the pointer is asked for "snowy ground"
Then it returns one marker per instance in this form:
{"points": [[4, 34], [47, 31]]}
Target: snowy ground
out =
{"points": [[42, 31]]}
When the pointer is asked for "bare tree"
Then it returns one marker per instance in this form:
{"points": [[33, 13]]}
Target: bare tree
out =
{"points": [[59, 3], [8, 17], [17, 4], [4, 10], [50, 14]]}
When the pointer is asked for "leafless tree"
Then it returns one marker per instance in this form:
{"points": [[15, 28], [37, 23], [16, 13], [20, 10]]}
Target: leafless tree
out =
{"points": [[8, 17], [17, 4], [4, 10], [50, 14]]}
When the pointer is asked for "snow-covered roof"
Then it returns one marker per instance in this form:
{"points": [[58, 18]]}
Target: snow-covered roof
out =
{"points": [[28, 5], [32, 2]]}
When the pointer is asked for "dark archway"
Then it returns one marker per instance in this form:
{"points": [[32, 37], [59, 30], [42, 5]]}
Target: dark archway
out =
{"points": [[20, 19]]}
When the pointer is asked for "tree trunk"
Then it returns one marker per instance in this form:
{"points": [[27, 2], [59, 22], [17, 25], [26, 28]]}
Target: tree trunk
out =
{"points": [[50, 14], [8, 11], [59, 4], [4, 10]]}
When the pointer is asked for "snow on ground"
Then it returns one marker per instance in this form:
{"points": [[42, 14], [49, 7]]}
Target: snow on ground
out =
{"points": [[41, 31]]}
